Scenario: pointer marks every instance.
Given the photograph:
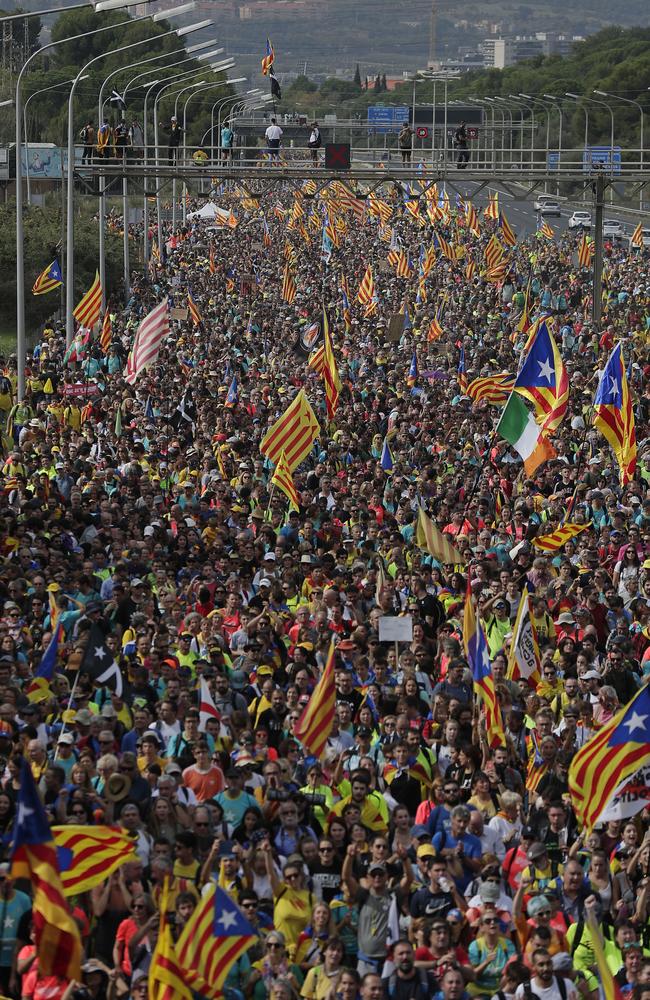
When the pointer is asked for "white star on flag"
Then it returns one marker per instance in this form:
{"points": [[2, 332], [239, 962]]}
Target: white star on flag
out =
{"points": [[228, 919], [613, 389], [100, 652], [545, 369], [23, 812], [635, 721]]}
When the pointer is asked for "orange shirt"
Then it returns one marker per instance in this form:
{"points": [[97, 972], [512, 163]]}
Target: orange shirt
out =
{"points": [[204, 784]]}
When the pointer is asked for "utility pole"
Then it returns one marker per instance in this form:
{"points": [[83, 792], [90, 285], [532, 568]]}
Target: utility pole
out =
{"points": [[597, 304], [433, 35]]}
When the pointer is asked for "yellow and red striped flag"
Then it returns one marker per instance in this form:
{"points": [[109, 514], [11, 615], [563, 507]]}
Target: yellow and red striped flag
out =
{"points": [[509, 237], [491, 211], [476, 648], [232, 222], [168, 980], [289, 287], [106, 335], [493, 388], [330, 371], [471, 219], [428, 537], [293, 433], [493, 252], [404, 266], [470, 270], [87, 312], [211, 265], [366, 291], [215, 937], [435, 329], [195, 315], [57, 938], [547, 230], [637, 236], [283, 479], [585, 251], [556, 539], [616, 751], [316, 360], [608, 982], [87, 855], [315, 724]]}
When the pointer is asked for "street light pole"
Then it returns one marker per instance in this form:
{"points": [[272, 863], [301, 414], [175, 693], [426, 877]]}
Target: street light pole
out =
{"points": [[69, 298], [43, 90], [556, 100], [628, 100], [220, 104], [200, 90], [20, 235]]}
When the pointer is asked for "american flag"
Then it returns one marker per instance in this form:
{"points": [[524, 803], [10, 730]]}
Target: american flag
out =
{"points": [[151, 332]]}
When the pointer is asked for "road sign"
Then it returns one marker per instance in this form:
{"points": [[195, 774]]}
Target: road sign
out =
{"points": [[337, 155], [422, 133], [385, 118], [553, 159], [602, 158]]}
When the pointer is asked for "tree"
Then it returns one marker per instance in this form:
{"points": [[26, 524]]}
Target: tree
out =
{"points": [[357, 77], [303, 85], [42, 236], [384, 85], [377, 84]]}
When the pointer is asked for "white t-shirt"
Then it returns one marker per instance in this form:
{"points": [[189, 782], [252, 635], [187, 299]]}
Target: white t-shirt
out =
{"points": [[273, 132], [552, 993]]}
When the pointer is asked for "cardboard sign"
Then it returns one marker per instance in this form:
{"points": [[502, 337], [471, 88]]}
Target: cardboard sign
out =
{"points": [[178, 313], [393, 628], [395, 327]]}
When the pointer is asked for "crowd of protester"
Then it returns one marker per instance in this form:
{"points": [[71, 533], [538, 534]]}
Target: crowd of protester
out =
{"points": [[147, 509]]}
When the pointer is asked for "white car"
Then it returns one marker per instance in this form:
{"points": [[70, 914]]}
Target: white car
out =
{"points": [[550, 208], [613, 229], [541, 200], [580, 220]]}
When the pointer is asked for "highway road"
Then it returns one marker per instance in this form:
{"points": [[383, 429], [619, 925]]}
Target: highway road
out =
{"points": [[523, 218]]}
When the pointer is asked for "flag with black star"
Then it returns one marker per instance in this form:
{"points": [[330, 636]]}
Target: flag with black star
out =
{"points": [[100, 663]]}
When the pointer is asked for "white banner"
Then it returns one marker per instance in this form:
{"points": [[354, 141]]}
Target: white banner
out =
{"points": [[630, 797]]}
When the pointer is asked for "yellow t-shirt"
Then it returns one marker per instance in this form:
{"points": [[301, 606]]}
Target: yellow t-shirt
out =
{"points": [[292, 912], [189, 872]]}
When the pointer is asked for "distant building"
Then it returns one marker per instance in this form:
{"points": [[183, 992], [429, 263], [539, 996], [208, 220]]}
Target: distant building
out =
{"points": [[501, 52]]}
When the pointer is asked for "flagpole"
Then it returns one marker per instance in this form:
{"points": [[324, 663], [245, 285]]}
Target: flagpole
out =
{"points": [[70, 699]]}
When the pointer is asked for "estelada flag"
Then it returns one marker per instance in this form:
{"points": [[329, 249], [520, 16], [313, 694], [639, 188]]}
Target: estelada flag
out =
{"points": [[293, 433]]}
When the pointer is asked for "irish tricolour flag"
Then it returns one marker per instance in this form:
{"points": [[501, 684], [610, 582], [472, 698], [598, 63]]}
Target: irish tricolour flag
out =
{"points": [[518, 426]]}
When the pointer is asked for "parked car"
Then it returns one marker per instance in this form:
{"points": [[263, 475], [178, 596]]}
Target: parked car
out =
{"points": [[540, 204], [613, 229], [580, 220]]}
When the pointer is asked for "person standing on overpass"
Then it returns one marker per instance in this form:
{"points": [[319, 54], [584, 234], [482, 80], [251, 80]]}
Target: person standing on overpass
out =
{"points": [[460, 138], [273, 135], [405, 142]]}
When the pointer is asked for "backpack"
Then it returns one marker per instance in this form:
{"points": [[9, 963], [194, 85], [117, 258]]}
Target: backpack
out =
{"points": [[528, 990], [422, 990]]}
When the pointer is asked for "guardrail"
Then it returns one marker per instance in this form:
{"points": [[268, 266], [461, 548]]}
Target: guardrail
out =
{"points": [[571, 161]]}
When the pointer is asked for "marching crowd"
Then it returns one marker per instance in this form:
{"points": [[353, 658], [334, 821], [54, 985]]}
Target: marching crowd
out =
{"points": [[414, 859]]}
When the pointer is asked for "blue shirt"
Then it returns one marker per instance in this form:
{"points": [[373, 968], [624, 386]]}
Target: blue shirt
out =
{"points": [[445, 841], [11, 910]]}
